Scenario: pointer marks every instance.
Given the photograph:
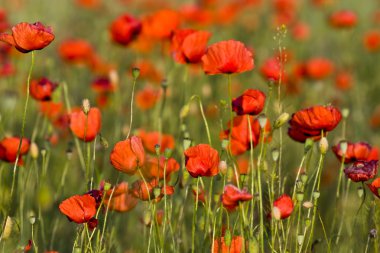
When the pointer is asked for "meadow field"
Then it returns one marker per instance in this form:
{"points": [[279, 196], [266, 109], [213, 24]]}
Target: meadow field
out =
{"points": [[190, 126]]}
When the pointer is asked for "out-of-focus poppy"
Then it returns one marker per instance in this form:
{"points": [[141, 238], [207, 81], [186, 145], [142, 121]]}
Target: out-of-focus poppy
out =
{"points": [[42, 89], [359, 151], [103, 85], [343, 80], [89, 4], [227, 57], [79, 208], [29, 246], [371, 40], [128, 155], [236, 245], [9, 148], [202, 161], [343, 19], [310, 122], [240, 136], [124, 29], [148, 71], [250, 102], [374, 121], [50, 109], [76, 51], [201, 194], [122, 200], [374, 187], [160, 24], [147, 98], [361, 171], [151, 139], [282, 207], [300, 31], [193, 13], [145, 190], [188, 46], [28, 37], [154, 168], [232, 196], [318, 68], [4, 25], [271, 70], [86, 126]]}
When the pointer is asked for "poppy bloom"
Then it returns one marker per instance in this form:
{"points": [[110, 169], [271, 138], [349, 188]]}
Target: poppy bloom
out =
{"points": [[361, 171], [241, 136], [51, 110], [160, 24], [9, 148], [128, 155], [282, 207], [76, 51], [310, 122], [86, 126], [188, 46], [42, 89], [371, 41], [79, 208], [236, 245], [103, 85], [151, 139], [145, 191], [147, 98], [318, 68], [227, 57], [300, 31], [250, 102], [122, 200], [343, 19], [154, 168], [272, 71], [202, 161], [124, 29], [374, 187], [232, 196], [90, 4], [28, 37], [374, 121], [356, 152], [343, 81]]}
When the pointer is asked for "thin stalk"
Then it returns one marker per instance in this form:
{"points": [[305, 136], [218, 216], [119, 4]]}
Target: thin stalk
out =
{"points": [[194, 218], [131, 119]]}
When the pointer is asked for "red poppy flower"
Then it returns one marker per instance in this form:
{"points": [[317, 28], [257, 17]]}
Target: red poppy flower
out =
{"points": [[42, 89], [250, 102], [79, 208], [374, 187], [374, 121], [76, 51], [154, 168], [361, 171], [232, 196], [4, 25], [90, 4], [202, 161], [144, 191], [188, 46], [51, 110], [240, 136], [356, 152], [9, 148], [318, 68], [28, 37], [147, 98], [227, 57], [161, 24], [193, 13], [300, 31], [310, 122], [122, 200], [151, 139], [282, 207], [86, 127], [236, 245], [343, 19], [343, 80], [128, 155], [124, 29], [271, 70], [29, 246], [103, 85], [371, 41]]}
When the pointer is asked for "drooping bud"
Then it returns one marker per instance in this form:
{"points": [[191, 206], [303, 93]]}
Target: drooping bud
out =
{"points": [[281, 120], [186, 143], [308, 145]]}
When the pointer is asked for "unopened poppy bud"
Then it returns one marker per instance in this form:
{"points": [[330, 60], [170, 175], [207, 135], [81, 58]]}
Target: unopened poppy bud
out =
{"points": [[114, 77], [107, 186], [373, 233], [323, 145], [168, 153], [227, 238], [275, 154], [308, 145], [225, 143], [184, 111], [156, 192], [345, 112], [186, 135], [135, 72], [343, 146], [69, 154], [104, 142], [186, 143], [164, 84], [316, 194], [360, 192], [276, 213], [183, 127], [86, 106], [307, 204], [32, 219], [43, 151], [281, 120], [300, 239], [34, 150], [307, 222], [223, 167], [157, 148], [9, 224], [147, 218], [300, 196], [304, 178], [262, 120]]}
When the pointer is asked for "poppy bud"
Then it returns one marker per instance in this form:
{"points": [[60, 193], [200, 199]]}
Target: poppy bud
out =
{"points": [[223, 167], [323, 145], [147, 218], [307, 204], [304, 178], [107, 186], [281, 120], [34, 150], [157, 148], [114, 77], [275, 154], [300, 239], [164, 84], [77, 250], [262, 120], [184, 111], [168, 153], [308, 145], [345, 112], [156, 192], [360, 192], [9, 225], [300, 196], [86, 106], [43, 151], [307, 222], [225, 143], [343, 146], [299, 184]]}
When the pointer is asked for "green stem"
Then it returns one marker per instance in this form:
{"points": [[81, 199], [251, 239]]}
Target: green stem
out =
{"points": [[194, 218], [133, 94]]}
